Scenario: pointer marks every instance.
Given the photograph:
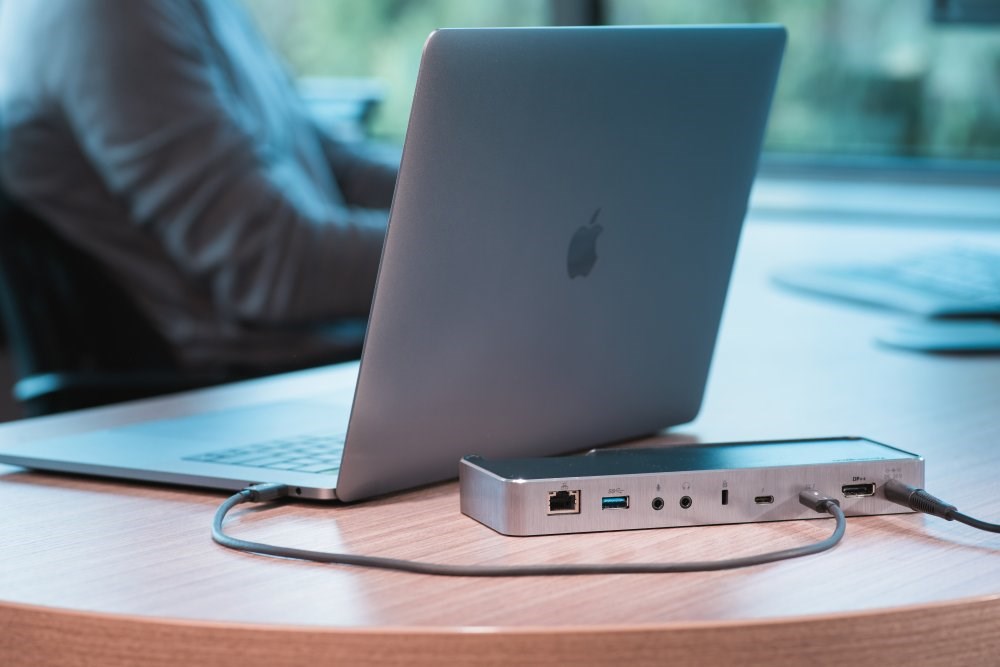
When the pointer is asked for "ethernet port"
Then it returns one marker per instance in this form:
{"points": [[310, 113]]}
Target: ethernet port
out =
{"points": [[564, 502]]}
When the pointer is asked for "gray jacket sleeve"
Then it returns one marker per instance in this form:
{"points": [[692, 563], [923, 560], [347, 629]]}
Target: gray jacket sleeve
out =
{"points": [[366, 177], [147, 103]]}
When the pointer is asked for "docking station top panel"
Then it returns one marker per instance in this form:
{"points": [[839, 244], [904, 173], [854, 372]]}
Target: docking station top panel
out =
{"points": [[729, 456]]}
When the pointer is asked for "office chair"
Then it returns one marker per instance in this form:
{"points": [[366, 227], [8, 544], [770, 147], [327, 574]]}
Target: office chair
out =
{"points": [[75, 338]]}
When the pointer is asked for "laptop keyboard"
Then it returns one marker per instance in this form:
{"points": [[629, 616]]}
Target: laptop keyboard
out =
{"points": [[309, 453]]}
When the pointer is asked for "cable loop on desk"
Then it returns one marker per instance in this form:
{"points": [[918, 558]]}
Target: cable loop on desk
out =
{"points": [[267, 492]]}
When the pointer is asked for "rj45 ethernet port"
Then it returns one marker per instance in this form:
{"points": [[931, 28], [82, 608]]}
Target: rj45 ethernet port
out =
{"points": [[564, 502]]}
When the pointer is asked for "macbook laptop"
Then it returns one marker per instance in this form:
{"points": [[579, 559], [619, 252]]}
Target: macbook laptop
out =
{"points": [[558, 254]]}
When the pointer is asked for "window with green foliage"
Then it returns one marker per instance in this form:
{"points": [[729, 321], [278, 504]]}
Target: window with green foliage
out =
{"points": [[864, 77], [380, 39], [861, 78]]}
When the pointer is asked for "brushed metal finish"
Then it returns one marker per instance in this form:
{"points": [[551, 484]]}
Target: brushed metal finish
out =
{"points": [[519, 506]]}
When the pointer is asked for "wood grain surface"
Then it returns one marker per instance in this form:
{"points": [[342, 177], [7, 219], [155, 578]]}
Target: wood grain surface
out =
{"points": [[100, 572]]}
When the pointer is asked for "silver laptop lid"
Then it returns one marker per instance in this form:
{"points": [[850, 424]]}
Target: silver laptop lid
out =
{"points": [[560, 244]]}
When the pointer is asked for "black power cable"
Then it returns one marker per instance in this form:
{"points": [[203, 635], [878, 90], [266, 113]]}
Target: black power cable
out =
{"points": [[921, 501]]}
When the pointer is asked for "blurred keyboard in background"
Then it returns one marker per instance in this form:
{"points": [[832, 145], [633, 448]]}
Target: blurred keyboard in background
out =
{"points": [[952, 282]]}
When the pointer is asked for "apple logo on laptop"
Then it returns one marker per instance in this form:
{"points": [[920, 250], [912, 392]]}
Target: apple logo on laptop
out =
{"points": [[583, 248]]}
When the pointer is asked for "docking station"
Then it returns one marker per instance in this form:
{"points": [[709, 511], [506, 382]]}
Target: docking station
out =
{"points": [[686, 485]]}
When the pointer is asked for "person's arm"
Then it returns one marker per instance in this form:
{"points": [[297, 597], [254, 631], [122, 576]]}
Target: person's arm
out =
{"points": [[366, 177], [146, 106]]}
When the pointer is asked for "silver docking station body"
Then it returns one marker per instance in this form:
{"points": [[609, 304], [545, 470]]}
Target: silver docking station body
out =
{"points": [[684, 485]]}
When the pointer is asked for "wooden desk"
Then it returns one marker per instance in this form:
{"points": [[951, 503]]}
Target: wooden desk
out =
{"points": [[112, 573]]}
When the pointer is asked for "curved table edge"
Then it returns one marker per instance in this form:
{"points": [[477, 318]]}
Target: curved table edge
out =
{"points": [[962, 632]]}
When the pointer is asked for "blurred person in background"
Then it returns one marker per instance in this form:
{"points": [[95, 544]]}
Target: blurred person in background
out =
{"points": [[165, 139]]}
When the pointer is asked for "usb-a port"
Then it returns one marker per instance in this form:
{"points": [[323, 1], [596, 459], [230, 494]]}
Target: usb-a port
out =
{"points": [[614, 503]]}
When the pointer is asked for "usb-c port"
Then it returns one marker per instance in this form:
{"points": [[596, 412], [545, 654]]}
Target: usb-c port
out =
{"points": [[763, 500]]}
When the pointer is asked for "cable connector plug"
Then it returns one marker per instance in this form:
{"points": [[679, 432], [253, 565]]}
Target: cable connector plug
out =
{"points": [[917, 499], [261, 493], [815, 500]]}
